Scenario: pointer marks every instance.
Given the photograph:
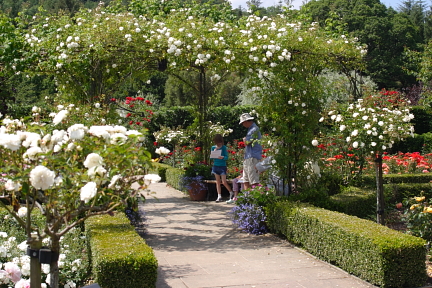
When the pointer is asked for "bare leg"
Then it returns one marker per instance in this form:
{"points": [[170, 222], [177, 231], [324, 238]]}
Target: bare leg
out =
{"points": [[218, 187], [246, 185], [225, 183]]}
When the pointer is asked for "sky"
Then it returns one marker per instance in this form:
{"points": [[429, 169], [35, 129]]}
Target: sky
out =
{"points": [[297, 3]]}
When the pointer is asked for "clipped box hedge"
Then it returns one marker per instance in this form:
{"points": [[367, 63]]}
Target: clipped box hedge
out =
{"points": [[373, 252], [173, 177], [399, 192], [120, 257], [370, 180], [160, 169], [355, 201]]}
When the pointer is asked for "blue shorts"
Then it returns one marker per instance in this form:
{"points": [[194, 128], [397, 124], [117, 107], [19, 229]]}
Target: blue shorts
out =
{"points": [[219, 170]]}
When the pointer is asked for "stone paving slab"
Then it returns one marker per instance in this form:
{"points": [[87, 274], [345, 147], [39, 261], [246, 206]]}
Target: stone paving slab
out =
{"points": [[197, 247]]}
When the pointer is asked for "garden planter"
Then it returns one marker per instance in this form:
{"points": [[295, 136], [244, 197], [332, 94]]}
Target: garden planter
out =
{"points": [[197, 192]]}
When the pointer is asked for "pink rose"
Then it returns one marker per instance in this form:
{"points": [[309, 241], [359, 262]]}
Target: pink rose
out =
{"points": [[12, 271], [23, 283]]}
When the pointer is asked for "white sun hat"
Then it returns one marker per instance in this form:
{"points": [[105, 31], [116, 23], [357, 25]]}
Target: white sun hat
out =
{"points": [[245, 117]]}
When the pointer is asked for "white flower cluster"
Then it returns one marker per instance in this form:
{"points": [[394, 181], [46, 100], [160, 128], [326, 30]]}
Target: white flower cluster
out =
{"points": [[219, 129], [151, 178], [372, 127], [162, 151], [59, 141], [170, 136]]}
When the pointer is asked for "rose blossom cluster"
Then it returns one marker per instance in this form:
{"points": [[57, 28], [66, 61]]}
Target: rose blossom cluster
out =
{"points": [[35, 146]]}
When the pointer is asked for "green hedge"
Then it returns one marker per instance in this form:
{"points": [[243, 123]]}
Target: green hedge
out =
{"points": [[120, 257], [370, 180], [355, 201], [160, 169], [183, 116], [400, 191], [173, 177], [372, 252]]}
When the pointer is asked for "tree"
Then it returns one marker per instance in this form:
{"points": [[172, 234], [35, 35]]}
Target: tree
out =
{"points": [[69, 171], [377, 27], [370, 126]]}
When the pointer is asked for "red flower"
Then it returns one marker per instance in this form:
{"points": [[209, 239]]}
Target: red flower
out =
{"points": [[197, 148], [148, 102], [113, 99], [128, 115], [241, 144], [155, 143]]}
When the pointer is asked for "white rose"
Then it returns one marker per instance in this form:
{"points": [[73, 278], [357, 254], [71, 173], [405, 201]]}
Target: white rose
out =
{"points": [[88, 191], [42, 178], [93, 160], [22, 211]]}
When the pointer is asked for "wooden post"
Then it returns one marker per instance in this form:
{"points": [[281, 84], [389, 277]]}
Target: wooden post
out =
{"points": [[35, 266], [380, 189]]}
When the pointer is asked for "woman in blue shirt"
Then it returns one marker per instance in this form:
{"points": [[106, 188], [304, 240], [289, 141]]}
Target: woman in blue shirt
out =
{"points": [[219, 168]]}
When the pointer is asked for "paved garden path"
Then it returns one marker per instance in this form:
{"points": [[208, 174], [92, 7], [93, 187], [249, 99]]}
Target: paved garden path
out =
{"points": [[197, 246]]}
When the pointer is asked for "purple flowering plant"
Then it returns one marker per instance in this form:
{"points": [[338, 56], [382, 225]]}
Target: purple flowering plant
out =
{"points": [[195, 174], [249, 212]]}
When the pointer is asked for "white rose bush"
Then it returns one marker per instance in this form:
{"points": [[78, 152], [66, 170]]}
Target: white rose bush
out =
{"points": [[69, 172], [367, 128]]}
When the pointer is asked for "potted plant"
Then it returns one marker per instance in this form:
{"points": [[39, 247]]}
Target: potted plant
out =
{"points": [[193, 180]]}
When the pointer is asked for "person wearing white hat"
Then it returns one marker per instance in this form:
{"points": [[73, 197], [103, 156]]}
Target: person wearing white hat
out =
{"points": [[253, 152]]}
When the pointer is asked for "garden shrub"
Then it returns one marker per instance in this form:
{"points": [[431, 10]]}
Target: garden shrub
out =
{"points": [[400, 191], [250, 218], [426, 143], [249, 213], [75, 265], [419, 143], [315, 195], [174, 176], [183, 116], [120, 257], [373, 252], [418, 216], [370, 180], [422, 121], [159, 169], [355, 201]]}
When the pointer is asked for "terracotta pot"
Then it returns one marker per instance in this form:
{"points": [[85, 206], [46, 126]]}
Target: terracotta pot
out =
{"points": [[197, 192]]}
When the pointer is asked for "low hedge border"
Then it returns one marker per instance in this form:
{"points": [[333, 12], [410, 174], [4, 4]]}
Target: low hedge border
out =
{"points": [[120, 257], [355, 201], [373, 252], [370, 180], [173, 177], [160, 169]]}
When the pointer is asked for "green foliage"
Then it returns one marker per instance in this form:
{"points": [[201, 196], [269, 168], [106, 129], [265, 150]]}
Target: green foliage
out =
{"points": [[159, 169], [313, 195], [120, 257], [355, 201], [386, 35], [174, 176], [370, 180], [198, 169], [76, 262], [422, 143], [183, 117], [258, 195], [418, 216], [422, 119], [373, 252]]}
